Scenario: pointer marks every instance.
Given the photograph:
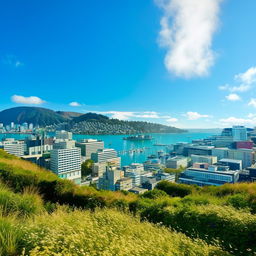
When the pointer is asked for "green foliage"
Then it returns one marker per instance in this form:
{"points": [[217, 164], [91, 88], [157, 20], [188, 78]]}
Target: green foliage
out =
{"points": [[174, 189], [26, 204], [106, 232], [214, 214], [154, 194], [239, 201], [10, 236], [87, 167], [177, 172], [234, 229]]}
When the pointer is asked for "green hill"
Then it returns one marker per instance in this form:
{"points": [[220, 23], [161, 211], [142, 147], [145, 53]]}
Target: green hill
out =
{"points": [[44, 215], [69, 115], [89, 123], [35, 115], [90, 117]]}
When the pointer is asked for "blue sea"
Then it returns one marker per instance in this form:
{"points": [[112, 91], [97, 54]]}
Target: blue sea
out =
{"points": [[134, 151]]}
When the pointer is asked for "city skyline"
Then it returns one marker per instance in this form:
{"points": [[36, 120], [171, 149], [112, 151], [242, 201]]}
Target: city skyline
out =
{"points": [[184, 64]]}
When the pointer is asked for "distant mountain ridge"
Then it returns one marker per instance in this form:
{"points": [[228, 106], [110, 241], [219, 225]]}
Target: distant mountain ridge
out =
{"points": [[35, 115], [89, 123]]}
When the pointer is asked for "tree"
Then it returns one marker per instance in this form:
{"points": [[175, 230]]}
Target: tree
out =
{"points": [[87, 167], [177, 172]]}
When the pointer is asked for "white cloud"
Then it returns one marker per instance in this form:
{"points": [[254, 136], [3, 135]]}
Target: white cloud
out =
{"points": [[250, 115], [195, 115], [33, 100], [247, 77], [126, 115], [252, 103], [187, 29], [224, 87], [74, 104], [238, 121], [172, 120], [246, 80], [233, 97]]}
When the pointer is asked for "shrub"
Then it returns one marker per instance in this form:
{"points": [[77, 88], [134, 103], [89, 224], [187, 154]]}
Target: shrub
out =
{"points": [[154, 194], [234, 229], [238, 201], [174, 189]]}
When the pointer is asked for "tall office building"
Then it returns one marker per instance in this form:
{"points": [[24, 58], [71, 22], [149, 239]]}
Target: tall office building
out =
{"points": [[239, 133], [89, 146], [66, 161]]}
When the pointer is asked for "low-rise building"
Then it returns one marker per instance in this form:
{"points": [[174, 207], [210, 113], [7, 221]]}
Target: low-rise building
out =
{"points": [[152, 164], [109, 178], [14, 147], [124, 184], [138, 190], [206, 177], [233, 164], [89, 146], [204, 159], [177, 162]]}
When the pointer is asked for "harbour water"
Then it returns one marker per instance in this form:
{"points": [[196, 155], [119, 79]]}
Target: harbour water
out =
{"points": [[134, 151]]}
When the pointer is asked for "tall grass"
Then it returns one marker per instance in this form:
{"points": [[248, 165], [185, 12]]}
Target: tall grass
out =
{"points": [[106, 232], [210, 213], [10, 236]]}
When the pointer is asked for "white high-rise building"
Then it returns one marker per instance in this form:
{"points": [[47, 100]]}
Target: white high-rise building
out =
{"points": [[239, 133], [66, 161]]}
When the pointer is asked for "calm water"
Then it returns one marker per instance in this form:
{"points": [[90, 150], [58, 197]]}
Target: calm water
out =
{"points": [[124, 146]]}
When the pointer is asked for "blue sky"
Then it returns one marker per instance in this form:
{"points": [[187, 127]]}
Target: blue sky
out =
{"points": [[186, 63]]}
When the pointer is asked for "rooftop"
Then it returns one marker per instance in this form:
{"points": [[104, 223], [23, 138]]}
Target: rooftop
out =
{"points": [[231, 160]]}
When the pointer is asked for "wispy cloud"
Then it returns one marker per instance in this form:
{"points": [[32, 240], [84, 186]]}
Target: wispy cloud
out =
{"points": [[247, 77], [187, 29], [172, 120], [12, 61], [74, 104], [32, 100], [128, 115], [250, 121], [233, 97], [252, 103], [195, 115], [244, 81]]}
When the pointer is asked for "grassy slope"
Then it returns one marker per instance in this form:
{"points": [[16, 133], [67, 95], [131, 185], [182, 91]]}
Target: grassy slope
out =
{"points": [[224, 214]]}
